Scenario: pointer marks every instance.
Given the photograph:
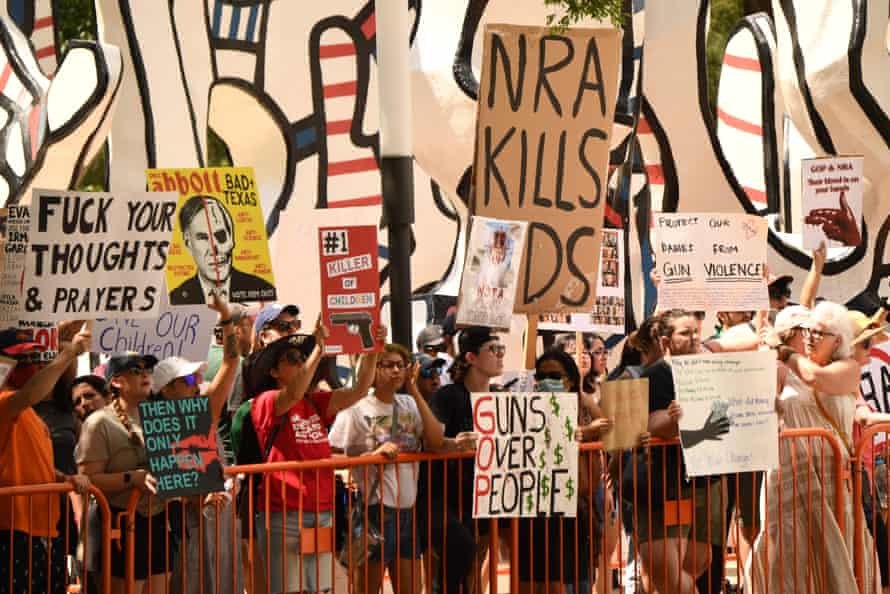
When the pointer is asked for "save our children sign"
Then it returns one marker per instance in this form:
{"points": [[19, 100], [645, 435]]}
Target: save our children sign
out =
{"points": [[93, 255], [526, 457], [546, 104]]}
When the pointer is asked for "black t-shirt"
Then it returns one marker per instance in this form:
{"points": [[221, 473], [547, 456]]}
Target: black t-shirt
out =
{"points": [[667, 458], [453, 407], [63, 432]]}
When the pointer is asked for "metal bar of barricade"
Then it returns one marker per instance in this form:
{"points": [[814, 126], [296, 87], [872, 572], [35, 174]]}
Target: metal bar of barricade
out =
{"points": [[866, 440]]}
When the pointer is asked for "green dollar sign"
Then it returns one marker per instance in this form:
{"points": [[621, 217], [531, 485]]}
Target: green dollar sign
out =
{"points": [[570, 489], [545, 489], [554, 405], [530, 502], [570, 431], [558, 454], [541, 460], [547, 437]]}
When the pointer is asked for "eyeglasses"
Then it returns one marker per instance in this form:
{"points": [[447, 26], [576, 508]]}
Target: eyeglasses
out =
{"points": [[816, 335], [190, 379], [497, 350], [284, 326], [293, 357], [390, 365], [549, 375]]}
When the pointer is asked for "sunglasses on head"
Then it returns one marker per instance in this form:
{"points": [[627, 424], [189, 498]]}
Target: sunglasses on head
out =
{"points": [[549, 375]]}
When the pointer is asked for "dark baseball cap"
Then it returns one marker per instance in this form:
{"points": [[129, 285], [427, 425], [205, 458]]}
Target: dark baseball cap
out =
{"points": [[426, 362], [272, 311], [471, 339], [121, 363]]}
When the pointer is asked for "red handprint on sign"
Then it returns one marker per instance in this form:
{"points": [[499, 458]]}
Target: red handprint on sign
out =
{"points": [[838, 224]]}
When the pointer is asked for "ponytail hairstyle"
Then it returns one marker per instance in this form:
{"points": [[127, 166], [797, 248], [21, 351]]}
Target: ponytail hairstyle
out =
{"points": [[460, 367], [122, 415]]}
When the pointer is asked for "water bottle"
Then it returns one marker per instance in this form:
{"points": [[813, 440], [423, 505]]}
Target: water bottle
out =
{"points": [[881, 483]]}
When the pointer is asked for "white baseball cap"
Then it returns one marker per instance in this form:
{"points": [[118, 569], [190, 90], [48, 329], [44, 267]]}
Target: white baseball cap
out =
{"points": [[173, 367]]}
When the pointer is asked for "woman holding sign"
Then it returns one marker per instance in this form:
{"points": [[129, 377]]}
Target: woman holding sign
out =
{"points": [[175, 378], [802, 547]]}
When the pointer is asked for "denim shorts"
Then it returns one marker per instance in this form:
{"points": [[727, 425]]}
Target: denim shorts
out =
{"points": [[409, 544]]}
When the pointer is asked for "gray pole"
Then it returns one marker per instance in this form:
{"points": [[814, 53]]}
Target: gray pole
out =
{"points": [[396, 167]]}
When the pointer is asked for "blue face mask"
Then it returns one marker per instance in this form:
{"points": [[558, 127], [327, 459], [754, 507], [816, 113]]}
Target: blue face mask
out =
{"points": [[551, 385]]}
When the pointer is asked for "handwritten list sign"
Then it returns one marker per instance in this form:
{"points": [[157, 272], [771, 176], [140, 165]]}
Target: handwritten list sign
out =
{"points": [[711, 262], [729, 421], [626, 402], [527, 456]]}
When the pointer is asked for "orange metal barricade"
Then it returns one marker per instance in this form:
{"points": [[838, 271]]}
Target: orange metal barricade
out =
{"points": [[582, 546], [872, 542], [75, 577]]}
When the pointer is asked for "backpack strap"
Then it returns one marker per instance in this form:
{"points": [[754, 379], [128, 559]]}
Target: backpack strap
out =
{"points": [[272, 435]]}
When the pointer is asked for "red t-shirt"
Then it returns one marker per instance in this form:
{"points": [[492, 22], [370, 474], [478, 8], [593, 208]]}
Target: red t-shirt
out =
{"points": [[304, 436]]}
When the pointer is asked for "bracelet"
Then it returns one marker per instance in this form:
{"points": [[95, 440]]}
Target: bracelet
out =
{"points": [[224, 322]]}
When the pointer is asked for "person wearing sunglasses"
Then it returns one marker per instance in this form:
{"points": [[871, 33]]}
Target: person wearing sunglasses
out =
{"points": [[393, 418], [273, 322], [480, 359], [176, 378], [287, 414], [429, 374], [818, 389]]}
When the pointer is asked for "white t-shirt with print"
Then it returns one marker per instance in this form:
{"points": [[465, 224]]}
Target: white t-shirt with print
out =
{"points": [[367, 425]]}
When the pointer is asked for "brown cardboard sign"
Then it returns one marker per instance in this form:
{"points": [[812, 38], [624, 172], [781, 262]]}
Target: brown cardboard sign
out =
{"points": [[626, 402], [546, 104]]}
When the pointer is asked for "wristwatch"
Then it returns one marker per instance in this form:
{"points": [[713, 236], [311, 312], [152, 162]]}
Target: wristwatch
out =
{"points": [[127, 478]]}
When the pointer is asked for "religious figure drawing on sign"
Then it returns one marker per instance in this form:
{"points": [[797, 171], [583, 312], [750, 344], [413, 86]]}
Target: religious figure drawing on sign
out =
{"points": [[208, 234]]}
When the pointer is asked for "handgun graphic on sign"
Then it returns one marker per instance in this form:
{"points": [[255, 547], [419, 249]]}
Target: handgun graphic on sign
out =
{"points": [[356, 323]]}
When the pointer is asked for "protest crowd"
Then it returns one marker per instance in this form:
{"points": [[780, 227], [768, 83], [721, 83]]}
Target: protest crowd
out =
{"points": [[172, 421]]}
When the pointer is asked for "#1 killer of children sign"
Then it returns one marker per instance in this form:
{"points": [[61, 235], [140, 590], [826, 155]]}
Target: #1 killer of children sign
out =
{"points": [[527, 456], [350, 288]]}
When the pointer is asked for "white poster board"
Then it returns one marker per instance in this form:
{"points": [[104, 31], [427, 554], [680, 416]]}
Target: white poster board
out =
{"points": [[526, 456], [729, 421], [831, 200], [96, 255], [874, 382], [491, 271], [711, 262], [183, 331]]}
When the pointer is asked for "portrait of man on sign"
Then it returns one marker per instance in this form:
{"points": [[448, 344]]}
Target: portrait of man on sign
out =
{"points": [[208, 233]]}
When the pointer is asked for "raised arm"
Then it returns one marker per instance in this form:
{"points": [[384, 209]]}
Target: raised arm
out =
{"points": [[811, 285], [838, 377], [367, 366], [222, 383], [38, 387]]}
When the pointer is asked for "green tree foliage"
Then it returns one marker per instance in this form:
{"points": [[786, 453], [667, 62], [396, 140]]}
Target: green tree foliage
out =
{"points": [[725, 15]]}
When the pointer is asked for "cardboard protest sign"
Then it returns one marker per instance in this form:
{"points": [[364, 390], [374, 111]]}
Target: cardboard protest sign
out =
{"points": [[527, 456], [350, 288], [831, 200], [15, 249], [219, 235], [96, 255], [183, 331], [490, 275], [546, 103], [626, 402], [711, 262], [729, 421], [180, 439]]}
